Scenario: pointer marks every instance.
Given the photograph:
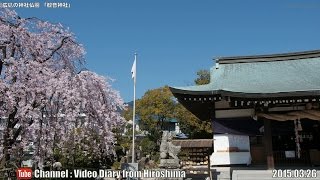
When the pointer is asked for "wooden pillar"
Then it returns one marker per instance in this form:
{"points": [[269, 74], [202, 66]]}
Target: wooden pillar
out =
{"points": [[268, 143], [212, 115]]}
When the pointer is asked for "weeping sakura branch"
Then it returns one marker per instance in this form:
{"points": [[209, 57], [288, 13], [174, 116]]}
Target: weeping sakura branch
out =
{"points": [[40, 70]]}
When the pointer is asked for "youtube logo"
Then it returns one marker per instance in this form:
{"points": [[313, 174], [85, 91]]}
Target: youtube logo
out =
{"points": [[24, 173]]}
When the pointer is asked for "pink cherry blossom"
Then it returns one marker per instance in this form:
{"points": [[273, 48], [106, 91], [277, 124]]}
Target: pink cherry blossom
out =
{"points": [[44, 99]]}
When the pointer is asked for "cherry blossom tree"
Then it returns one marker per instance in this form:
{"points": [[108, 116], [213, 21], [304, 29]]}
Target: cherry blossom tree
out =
{"points": [[44, 99]]}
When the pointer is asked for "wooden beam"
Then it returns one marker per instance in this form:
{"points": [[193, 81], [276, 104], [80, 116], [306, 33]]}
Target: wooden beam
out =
{"points": [[234, 113], [249, 112], [287, 108], [268, 144]]}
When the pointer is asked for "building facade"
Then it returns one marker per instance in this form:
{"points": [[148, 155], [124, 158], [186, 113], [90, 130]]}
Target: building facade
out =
{"points": [[281, 92]]}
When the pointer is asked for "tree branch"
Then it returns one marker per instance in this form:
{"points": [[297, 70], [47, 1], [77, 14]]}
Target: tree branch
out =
{"points": [[63, 41], [18, 132]]}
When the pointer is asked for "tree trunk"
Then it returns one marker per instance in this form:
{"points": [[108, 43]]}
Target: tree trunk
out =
{"points": [[7, 142], [3, 57]]}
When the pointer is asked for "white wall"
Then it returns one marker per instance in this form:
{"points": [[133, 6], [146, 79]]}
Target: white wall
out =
{"points": [[223, 141]]}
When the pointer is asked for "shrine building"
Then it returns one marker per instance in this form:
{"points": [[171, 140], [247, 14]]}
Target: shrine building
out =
{"points": [[279, 94]]}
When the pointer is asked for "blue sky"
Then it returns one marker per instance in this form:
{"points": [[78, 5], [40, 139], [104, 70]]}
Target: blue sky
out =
{"points": [[176, 38]]}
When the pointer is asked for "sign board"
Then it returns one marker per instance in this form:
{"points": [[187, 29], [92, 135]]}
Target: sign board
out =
{"points": [[290, 154]]}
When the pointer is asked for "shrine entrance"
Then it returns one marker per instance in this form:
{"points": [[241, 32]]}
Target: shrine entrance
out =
{"points": [[284, 142]]}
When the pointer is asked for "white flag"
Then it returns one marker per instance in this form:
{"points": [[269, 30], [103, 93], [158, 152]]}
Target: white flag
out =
{"points": [[134, 69]]}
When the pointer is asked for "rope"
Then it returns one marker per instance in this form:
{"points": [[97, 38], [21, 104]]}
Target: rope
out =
{"points": [[305, 114]]}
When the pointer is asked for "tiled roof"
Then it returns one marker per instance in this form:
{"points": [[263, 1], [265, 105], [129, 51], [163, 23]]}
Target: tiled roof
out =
{"points": [[291, 74]]}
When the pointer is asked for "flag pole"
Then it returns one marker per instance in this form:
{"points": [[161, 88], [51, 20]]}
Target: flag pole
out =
{"points": [[134, 108]]}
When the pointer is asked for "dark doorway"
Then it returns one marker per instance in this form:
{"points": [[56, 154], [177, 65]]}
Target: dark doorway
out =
{"points": [[284, 142]]}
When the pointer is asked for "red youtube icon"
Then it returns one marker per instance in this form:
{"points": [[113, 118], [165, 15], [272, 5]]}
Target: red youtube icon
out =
{"points": [[24, 173]]}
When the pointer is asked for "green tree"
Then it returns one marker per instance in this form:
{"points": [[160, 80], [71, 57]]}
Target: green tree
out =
{"points": [[155, 108], [203, 77], [148, 147], [158, 106], [191, 125]]}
